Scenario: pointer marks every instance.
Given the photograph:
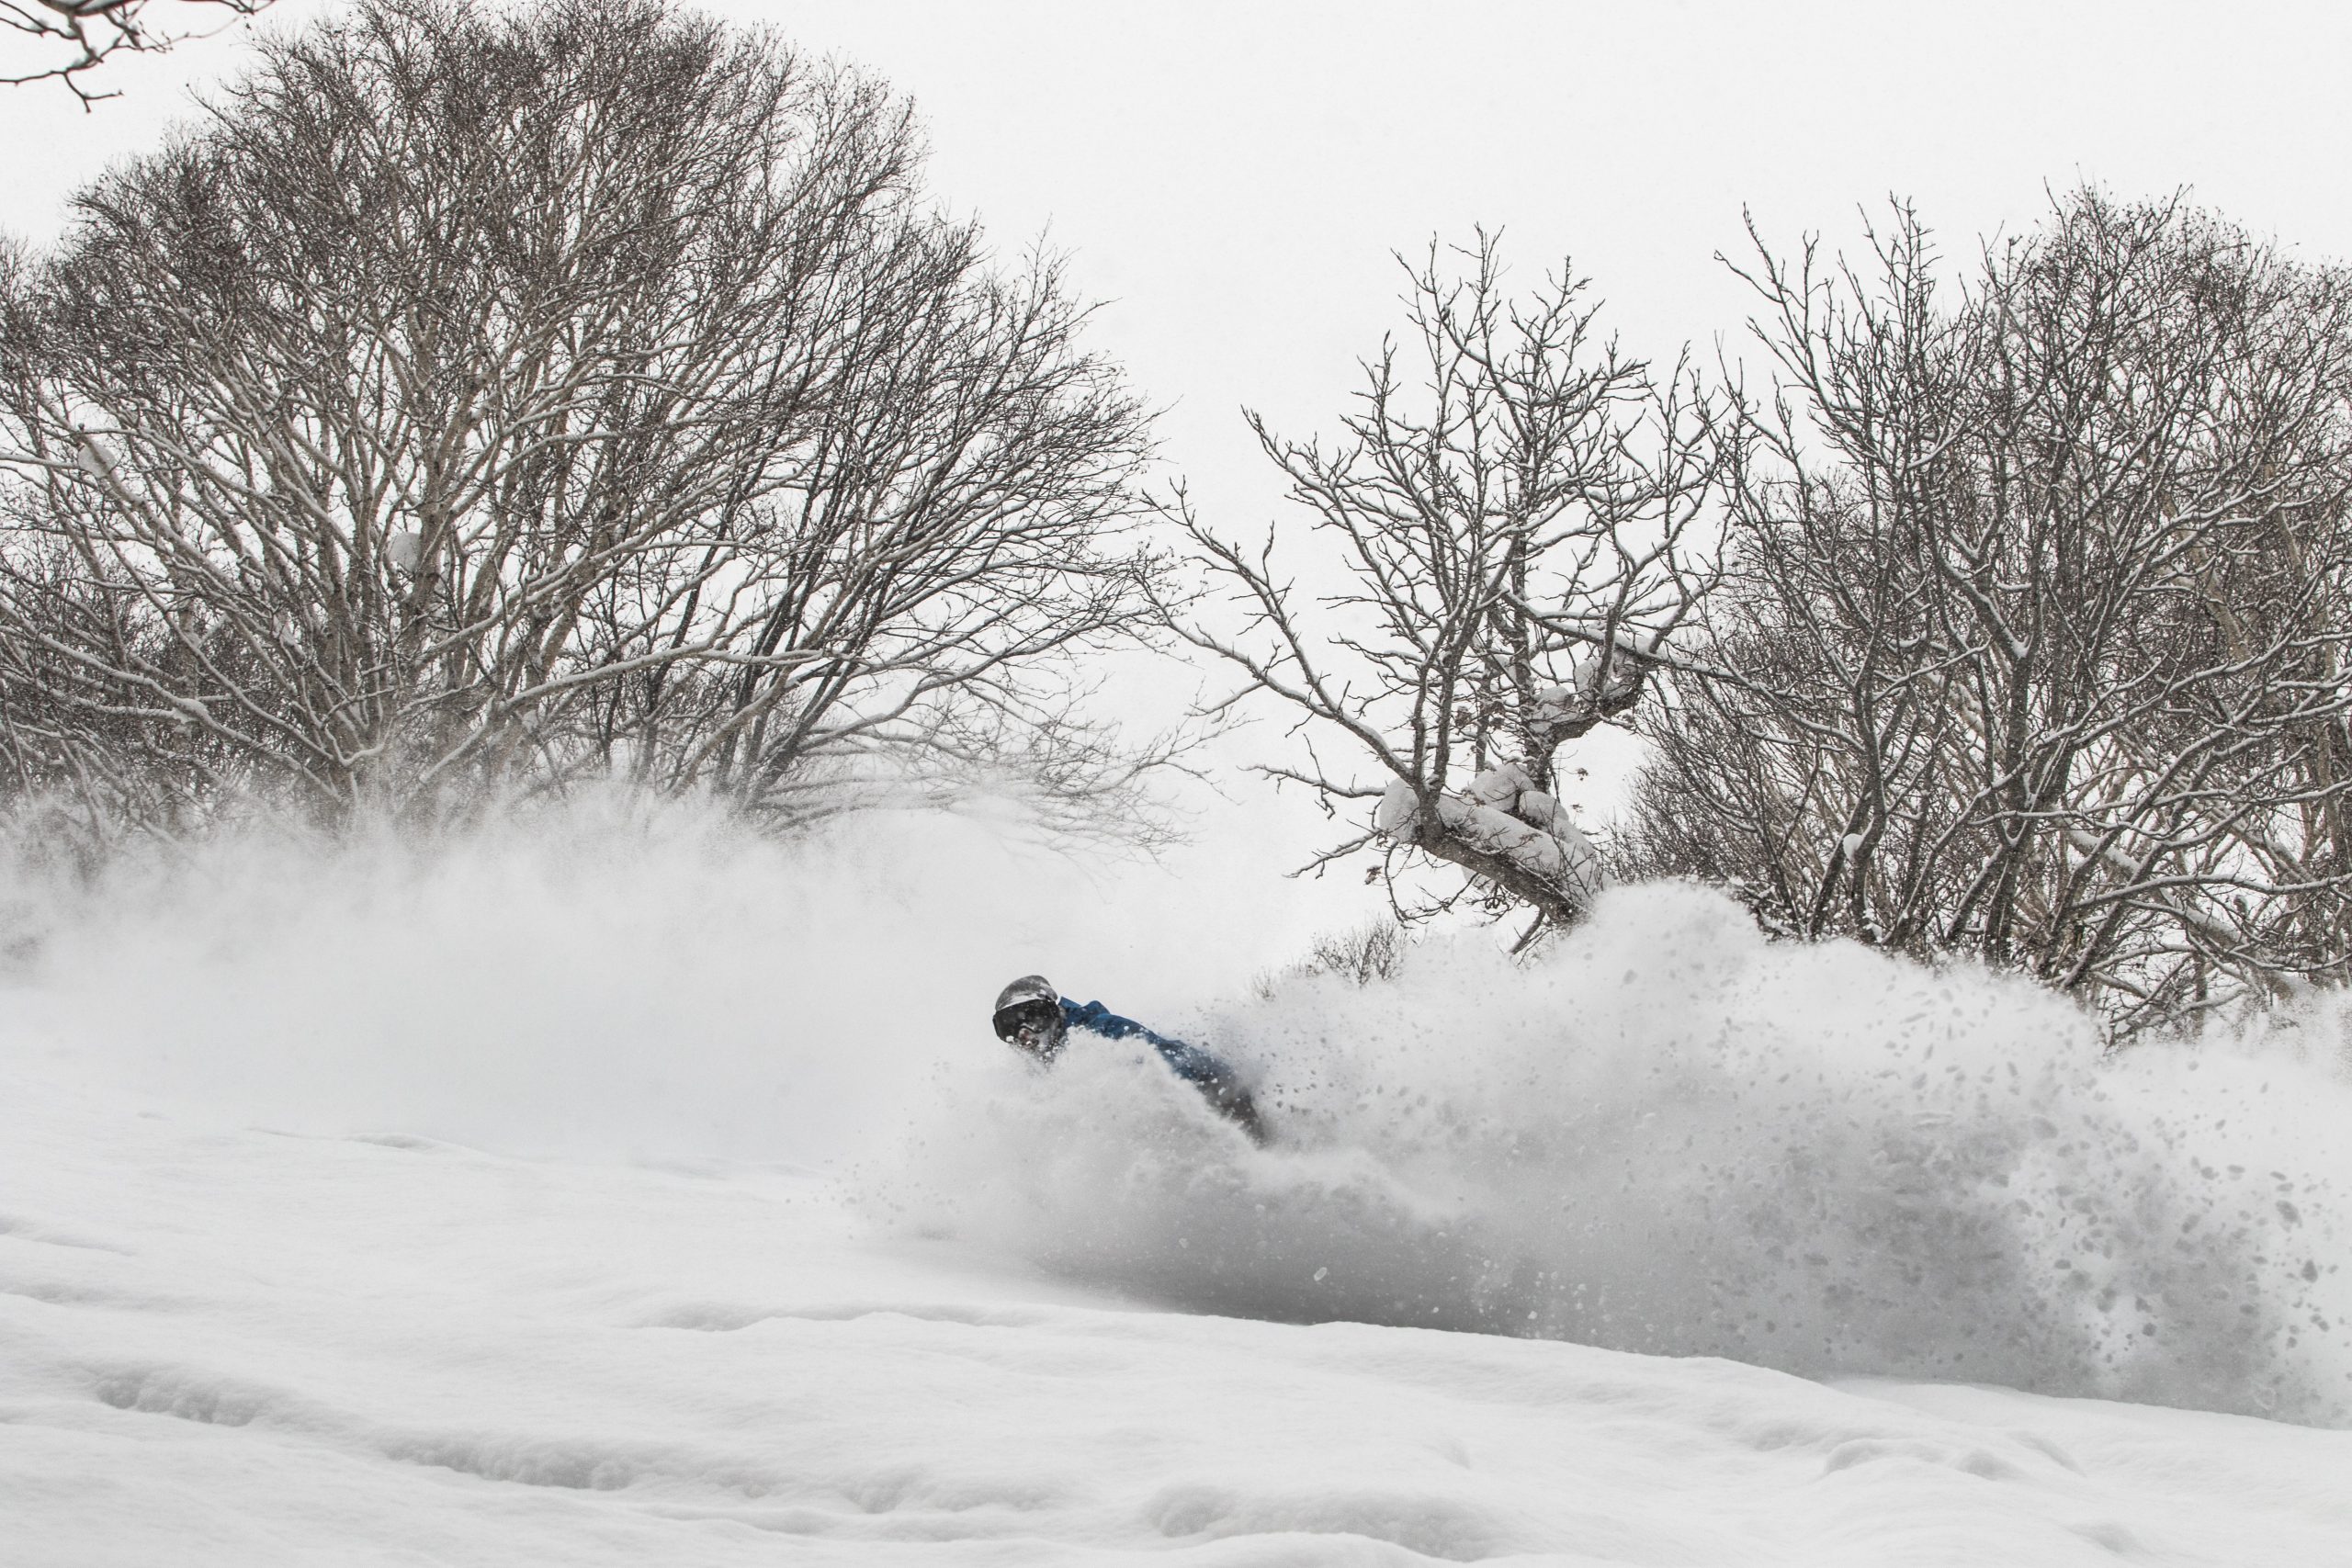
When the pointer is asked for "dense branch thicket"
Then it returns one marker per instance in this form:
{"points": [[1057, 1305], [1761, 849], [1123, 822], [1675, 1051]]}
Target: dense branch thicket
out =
{"points": [[1506, 512], [2032, 638], [485, 400]]}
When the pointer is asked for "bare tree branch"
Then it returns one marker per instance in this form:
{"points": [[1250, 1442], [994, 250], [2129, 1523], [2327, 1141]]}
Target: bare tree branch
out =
{"points": [[78, 36], [485, 399], [1509, 511], [2032, 635]]}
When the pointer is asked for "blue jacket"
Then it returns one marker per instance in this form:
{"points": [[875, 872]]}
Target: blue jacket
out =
{"points": [[1189, 1063], [1204, 1072]]}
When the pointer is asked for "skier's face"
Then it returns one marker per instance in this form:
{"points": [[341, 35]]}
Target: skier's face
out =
{"points": [[1033, 1028]]}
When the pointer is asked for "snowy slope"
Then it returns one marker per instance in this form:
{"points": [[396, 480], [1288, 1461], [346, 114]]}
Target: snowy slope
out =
{"points": [[796, 1267], [256, 1349]]}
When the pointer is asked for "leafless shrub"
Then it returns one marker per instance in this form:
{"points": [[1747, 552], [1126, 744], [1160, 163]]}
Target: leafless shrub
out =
{"points": [[2032, 640], [1508, 508], [492, 400], [1373, 950], [73, 38]]}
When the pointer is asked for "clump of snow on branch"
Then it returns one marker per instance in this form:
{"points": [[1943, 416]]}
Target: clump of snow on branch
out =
{"points": [[1502, 814], [1598, 684]]}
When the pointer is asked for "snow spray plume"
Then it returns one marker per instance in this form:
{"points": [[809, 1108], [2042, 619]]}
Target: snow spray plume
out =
{"points": [[1670, 1136], [602, 979], [1665, 1136]]}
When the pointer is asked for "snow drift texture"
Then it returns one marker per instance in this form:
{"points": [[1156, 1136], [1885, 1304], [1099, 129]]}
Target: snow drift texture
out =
{"points": [[1666, 1135], [1671, 1136]]}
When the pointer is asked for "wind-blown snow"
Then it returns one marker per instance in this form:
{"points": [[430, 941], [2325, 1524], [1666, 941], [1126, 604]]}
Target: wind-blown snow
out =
{"points": [[620, 1189], [598, 980], [1672, 1137]]}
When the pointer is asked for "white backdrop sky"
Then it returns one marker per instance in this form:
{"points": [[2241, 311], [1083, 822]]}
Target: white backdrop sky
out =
{"points": [[1231, 178]]}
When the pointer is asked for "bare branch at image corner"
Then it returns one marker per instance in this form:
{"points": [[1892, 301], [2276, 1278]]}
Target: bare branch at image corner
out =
{"points": [[69, 39]]}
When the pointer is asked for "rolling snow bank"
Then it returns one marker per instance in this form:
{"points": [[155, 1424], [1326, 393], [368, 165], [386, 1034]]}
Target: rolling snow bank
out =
{"points": [[1666, 1135]]}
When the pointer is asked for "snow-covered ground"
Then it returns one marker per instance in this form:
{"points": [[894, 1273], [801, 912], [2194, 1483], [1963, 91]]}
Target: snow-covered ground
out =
{"points": [[620, 1192]]}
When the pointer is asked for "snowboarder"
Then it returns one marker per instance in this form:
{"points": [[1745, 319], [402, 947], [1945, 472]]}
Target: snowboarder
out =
{"points": [[1035, 1020]]}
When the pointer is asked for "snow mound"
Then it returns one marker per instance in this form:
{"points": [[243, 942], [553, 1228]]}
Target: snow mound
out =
{"points": [[1671, 1136]]}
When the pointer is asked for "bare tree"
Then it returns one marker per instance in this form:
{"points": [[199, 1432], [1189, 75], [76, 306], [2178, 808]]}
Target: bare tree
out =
{"points": [[2032, 633], [1371, 952], [1510, 507], [487, 399], [75, 36]]}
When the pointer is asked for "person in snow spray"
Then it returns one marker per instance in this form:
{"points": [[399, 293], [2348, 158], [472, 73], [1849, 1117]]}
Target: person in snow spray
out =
{"points": [[1035, 1020]]}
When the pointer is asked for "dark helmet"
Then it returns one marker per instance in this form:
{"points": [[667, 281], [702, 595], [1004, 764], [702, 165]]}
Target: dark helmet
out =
{"points": [[1029, 1016]]}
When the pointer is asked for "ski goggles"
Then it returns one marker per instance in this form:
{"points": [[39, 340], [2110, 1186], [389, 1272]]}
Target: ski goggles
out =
{"points": [[1038, 1017]]}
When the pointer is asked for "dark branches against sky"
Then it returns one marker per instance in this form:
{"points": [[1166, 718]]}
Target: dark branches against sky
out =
{"points": [[69, 39]]}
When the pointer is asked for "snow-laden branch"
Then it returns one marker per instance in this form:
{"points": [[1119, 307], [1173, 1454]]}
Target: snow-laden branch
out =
{"points": [[1508, 514]]}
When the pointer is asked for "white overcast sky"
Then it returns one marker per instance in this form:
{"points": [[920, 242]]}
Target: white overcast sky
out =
{"points": [[1231, 178], [1234, 177]]}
